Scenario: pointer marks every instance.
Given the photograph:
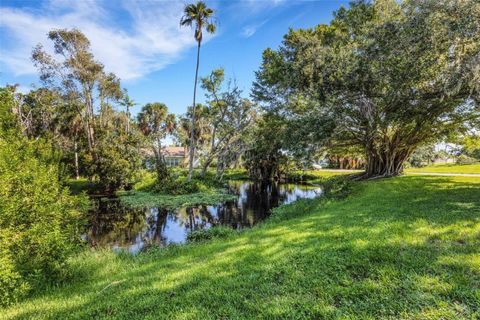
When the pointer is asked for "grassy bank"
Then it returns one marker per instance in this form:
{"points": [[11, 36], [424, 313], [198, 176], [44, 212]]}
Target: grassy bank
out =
{"points": [[407, 247], [318, 176], [448, 168]]}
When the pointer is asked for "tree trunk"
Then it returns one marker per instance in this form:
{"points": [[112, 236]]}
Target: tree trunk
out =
{"points": [[75, 148], [89, 119], [160, 166], [387, 162], [210, 157], [102, 111], [192, 135], [205, 167], [128, 119]]}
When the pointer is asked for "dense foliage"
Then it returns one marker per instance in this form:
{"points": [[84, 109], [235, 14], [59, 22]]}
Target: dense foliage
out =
{"points": [[76, 110], [384, 81], [388, 75], [229, 118], [40, 222], [264, 158], [469, 147], [423, 156]]}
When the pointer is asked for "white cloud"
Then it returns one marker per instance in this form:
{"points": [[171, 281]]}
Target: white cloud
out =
{"points": [[257, 5], [251, 29], [149, 40]]}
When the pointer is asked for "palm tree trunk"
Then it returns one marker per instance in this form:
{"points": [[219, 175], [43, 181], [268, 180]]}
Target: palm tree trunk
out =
{"points": [[192, 134]]}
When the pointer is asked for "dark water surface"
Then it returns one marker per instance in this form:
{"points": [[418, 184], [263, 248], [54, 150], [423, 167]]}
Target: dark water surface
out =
{"points": [[118, 227]]}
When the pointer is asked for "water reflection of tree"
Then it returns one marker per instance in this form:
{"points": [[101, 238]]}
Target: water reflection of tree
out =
{"points": [[110, 222], [157, 227], [254, 204], [194, 218]]}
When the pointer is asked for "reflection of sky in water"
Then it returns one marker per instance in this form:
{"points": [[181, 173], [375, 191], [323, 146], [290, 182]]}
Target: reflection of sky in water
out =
{"points": [[118, 227]]}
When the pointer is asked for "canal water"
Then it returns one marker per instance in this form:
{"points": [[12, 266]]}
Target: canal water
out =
{"points": [[113, 225]]}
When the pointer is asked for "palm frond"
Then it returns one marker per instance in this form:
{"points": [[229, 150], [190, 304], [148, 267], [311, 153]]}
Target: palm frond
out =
{"points": [[211, 28], [186, 21], [198, 15]]}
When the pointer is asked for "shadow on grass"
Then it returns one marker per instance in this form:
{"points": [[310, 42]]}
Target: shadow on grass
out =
{"points": [[400, 248]]}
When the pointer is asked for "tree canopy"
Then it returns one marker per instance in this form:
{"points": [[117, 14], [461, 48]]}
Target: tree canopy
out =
{"points": [[388, 76]]}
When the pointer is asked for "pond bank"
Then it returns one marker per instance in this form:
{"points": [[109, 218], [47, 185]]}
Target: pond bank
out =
{"points": [[381, 253]]}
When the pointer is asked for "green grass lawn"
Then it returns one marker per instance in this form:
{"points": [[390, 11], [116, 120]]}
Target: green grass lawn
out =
{"points": [[448, 168], [401, 248]]}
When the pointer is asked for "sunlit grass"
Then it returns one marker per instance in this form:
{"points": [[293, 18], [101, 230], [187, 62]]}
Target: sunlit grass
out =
{"points": [[406, 247], [448, 168], [318, 176]]}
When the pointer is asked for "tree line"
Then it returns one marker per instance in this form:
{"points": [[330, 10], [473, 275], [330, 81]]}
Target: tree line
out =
{"points": [[382, 79], [86, 114]]}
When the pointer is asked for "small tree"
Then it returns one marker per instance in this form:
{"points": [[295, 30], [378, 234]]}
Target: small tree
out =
{"points": [[229, 117], [156, 123], [82, 116], [202, 128], [76, 75]]}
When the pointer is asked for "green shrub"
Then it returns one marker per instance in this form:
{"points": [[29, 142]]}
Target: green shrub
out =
{"points": [[177, 186], [423, 156], [113, 165], [463, 159], [146, 180], [39, 221], [217, 232], [338, 187], [235, 174], [12, 286]]}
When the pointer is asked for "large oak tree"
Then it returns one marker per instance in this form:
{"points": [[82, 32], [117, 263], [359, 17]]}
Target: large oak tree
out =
{"points": [[390, 75]]}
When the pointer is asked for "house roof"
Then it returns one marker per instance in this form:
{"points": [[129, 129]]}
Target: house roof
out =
{"points": [[174, 151]]}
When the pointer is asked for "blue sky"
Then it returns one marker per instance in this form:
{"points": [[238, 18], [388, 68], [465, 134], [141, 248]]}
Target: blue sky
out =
{"points": [[142, 43]]}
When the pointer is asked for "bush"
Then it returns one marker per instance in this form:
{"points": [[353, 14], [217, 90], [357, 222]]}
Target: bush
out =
{"points": [[338, 187], [217, 232], [177, 186], [39, 221], [114, 164], [12, 286], [463, 159], [146, 180]]}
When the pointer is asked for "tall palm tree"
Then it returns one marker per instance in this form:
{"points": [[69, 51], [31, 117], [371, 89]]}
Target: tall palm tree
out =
{"points": [[200, 17]]}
